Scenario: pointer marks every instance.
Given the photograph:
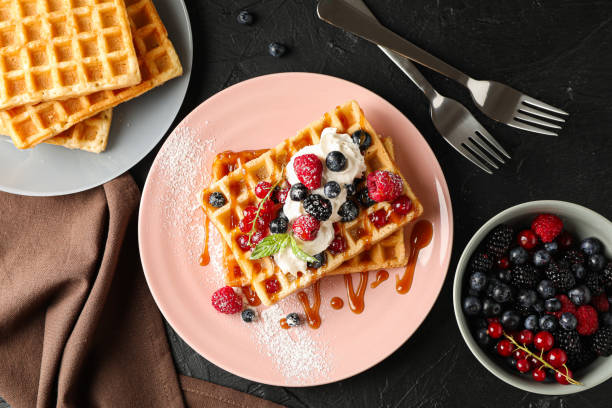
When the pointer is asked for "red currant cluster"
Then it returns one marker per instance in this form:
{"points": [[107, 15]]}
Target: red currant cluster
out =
{"points": [[532, 353]]}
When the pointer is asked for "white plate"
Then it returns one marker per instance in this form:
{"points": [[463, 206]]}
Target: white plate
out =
{"points": [[138, 125]]}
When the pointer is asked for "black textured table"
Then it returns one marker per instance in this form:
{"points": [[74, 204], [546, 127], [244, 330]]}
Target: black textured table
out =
{"points": [[554, 50]]}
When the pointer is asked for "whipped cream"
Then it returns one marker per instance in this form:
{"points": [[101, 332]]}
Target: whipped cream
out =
{"points": [[330, 141]]}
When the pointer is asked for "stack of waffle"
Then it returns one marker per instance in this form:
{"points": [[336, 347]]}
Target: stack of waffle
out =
{"points": [[368, 247], [65, 64]]}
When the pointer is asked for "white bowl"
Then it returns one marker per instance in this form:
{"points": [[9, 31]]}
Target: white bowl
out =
{"points": [[582, 223]]}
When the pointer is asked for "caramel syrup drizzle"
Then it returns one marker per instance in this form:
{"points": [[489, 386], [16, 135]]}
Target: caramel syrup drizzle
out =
{"points": [[205, 257], [419, 239], [336, 303], [251, 296], [355, 300], [381, 276], [312, 313], [283, 323]]}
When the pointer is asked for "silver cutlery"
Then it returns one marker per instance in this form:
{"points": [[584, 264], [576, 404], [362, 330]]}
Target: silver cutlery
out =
{"points": [[498, 101]]}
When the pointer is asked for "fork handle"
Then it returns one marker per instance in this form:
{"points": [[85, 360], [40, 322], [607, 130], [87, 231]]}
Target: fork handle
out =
{"points": [[345, 16]]}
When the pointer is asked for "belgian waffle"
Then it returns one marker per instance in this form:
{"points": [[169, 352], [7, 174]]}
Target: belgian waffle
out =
{"points": [[90, 135], [29, 125], [388, 253], [52, 49], [359, 234]]}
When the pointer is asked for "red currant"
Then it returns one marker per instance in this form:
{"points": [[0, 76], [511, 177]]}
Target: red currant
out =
{"points": [[338, 245], [246, 224], [267, 208], [492, 319], [523, 365], [561, 378], [272, 285], [379, 218], [565, 240], [525, 337], [518, 354], [543, 341], [504, 348], [534, 361], [243, 242], [538, 375], [249, 212], [262, 189], [503, 263], [527, 239], [556, 357], [401, 205], [495, 330], [257, 237], [281, 195]]}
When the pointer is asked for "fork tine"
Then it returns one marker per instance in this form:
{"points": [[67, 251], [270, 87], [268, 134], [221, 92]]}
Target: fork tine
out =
{"points": [[487, 136], [540, 104], [474, 147], [483, 145], [529, 128], [468, 155], [536, 121], [539, 113]]}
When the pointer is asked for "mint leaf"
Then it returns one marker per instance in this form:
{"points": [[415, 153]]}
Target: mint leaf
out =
{"points": [[299, 253], [270, 245]]}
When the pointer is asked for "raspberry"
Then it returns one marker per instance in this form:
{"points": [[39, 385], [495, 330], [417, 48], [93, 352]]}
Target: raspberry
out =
{"points": [[384, 186], [306, 227], [566, 306], [379, 218], [338, 245], [308, 169], [547, 227], [587, 320], [402, 205], [225, 300], [262, 188], [600, 302]]}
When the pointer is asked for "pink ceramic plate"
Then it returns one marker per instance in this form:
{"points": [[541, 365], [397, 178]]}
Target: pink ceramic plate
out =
{"points": [[256, 114]]}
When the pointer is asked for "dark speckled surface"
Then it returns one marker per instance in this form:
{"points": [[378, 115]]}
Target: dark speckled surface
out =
{"points": [[554, 50]]}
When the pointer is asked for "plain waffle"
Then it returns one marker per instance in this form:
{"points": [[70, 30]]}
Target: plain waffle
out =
{"points": [[31, 124], [52, 49], [359, 234], [388, 253], [90, 135]]}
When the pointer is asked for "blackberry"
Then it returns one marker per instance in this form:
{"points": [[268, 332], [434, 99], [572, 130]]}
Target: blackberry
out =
{"points": [[573, 256], [317, 206], [568, 340], [602, 341], [481, 262], [580, 359], [364, 198], [279, 225], [362, 138], [607, 274], [348, 211], [524, 276], [498, 241], [594, 282], [217, 199], [560, 275], [350, 189], [522, 309], [321, 258]]}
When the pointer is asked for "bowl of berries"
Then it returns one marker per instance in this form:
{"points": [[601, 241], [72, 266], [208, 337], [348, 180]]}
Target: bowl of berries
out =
{"points": [[532, 297]]}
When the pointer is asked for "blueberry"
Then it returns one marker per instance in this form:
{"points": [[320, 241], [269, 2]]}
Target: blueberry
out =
{"points": [[479, 323], [511, 361], [473, 292], [546, 289], [217, 199], [579, 271], [491, 308], [279, 225], [298, 192], [501, 293], [552, 247], [591, 246], [350, 189], [548, 323], [362, 138], [482, 337], [596, 262], [527, 297], [321, 258], [478, 281], [348, 211], [580, 295], [568, 321], [248, 315], [364, 198], [539, 306], [276, 49], [606, 318], [244, 17], [332, 189], [518, 255], [472, 306], [293, 319], [552, 305], [335, 161], [510, 320], [541, 258], [504, 275], [531, 322]]}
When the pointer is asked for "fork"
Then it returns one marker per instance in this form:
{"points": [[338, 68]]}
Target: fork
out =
{"points": [[498, 101]]}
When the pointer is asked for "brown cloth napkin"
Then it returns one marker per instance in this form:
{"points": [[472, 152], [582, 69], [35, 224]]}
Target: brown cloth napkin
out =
{"points": [[78, 326]]}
